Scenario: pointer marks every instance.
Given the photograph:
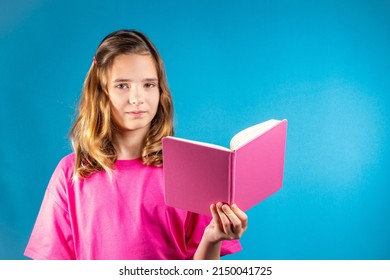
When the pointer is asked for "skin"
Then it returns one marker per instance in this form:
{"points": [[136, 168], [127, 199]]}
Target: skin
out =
{"points": [[134, 96], [228, 223]]}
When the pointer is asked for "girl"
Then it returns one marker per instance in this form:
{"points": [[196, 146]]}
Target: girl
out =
{"points": [[106, 200]]}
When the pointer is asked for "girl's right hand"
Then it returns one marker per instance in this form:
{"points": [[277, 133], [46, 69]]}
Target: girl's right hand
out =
{"points": [[228, 223]]}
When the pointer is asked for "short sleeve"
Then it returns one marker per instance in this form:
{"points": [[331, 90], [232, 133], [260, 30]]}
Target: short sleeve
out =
{"points": [[51, 237], [195, 226]]}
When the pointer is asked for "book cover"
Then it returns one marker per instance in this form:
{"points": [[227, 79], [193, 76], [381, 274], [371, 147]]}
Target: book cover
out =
{"points": [[197, 174]]}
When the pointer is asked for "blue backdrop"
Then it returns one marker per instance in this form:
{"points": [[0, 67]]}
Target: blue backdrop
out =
{"points": [[323, 65]]}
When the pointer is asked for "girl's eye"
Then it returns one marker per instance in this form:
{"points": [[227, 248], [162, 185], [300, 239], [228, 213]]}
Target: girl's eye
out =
{"points": [[122, 86], [150, 85]]}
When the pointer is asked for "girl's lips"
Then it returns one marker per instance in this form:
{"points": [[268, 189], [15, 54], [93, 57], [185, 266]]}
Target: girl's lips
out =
{"points": [[136, 112]]}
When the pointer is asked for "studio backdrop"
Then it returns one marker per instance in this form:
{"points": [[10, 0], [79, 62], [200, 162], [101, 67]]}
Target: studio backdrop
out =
{"points": [[323, 65]]}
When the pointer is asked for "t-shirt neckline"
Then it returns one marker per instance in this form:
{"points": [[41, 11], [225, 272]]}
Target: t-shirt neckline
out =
{"points": [[127, 162]]}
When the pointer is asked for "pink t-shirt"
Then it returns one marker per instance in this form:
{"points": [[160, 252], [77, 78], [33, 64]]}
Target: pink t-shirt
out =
{"points": [[120, 218]]}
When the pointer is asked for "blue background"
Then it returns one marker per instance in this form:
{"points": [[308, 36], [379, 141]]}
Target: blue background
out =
{"points": [[323, 65]]}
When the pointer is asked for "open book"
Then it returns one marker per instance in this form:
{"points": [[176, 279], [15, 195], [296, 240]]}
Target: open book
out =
{"points": [[197, 174]]}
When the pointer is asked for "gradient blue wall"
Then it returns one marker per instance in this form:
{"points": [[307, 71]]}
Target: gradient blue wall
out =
{"points": [[323, 65]]}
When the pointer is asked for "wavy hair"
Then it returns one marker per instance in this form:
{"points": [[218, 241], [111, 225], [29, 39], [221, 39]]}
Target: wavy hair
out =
{"points": [[93, 130]]}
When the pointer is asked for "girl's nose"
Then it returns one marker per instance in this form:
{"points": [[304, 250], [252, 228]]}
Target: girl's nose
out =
{"points": [[135, 98], [135, 101]]}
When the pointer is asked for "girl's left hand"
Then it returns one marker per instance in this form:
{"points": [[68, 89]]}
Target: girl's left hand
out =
{"points": [[228, 223]]}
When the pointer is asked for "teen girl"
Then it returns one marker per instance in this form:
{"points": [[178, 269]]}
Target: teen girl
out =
{"points": [[106, 200]]}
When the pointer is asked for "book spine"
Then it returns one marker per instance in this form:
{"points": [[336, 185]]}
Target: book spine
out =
{"points": [[232, 164]]}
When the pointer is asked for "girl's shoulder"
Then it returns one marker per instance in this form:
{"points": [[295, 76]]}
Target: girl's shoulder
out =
{"points": [[68, 160], [65, 167], [62, 179]]}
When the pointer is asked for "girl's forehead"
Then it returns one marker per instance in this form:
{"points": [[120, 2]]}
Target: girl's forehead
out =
{"points": [[133, 66]]}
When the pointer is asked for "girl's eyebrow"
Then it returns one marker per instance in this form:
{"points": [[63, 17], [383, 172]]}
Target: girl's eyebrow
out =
{"points": [[130, 80], [121, 80]]}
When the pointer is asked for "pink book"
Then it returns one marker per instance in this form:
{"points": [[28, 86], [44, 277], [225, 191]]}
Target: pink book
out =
{"points": [[197, 174]]}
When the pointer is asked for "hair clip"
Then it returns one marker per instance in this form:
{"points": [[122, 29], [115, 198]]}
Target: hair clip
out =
{"points": [[94, 60]]}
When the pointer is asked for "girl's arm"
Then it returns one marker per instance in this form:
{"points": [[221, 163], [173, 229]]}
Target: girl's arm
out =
{"points": [[228, 223]]}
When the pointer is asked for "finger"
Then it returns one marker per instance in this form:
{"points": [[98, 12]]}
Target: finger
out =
{"points": [[225, 222], [241, 215], [214, 213], [236, 224]]}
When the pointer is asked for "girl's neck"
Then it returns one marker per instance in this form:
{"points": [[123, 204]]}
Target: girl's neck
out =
{"points": [[128, 144]]}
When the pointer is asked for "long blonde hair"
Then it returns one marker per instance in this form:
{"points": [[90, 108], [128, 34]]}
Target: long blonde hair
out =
{"points": [[93, 131]]}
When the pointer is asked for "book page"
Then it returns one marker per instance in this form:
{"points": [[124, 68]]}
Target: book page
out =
{"points": [[250, 133], [214, 146]]}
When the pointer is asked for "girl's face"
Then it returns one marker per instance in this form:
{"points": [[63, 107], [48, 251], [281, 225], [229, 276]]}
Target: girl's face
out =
{"points": [[133, 91]]}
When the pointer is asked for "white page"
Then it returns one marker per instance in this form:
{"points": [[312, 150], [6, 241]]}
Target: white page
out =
{"points": [[245, 136]]}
